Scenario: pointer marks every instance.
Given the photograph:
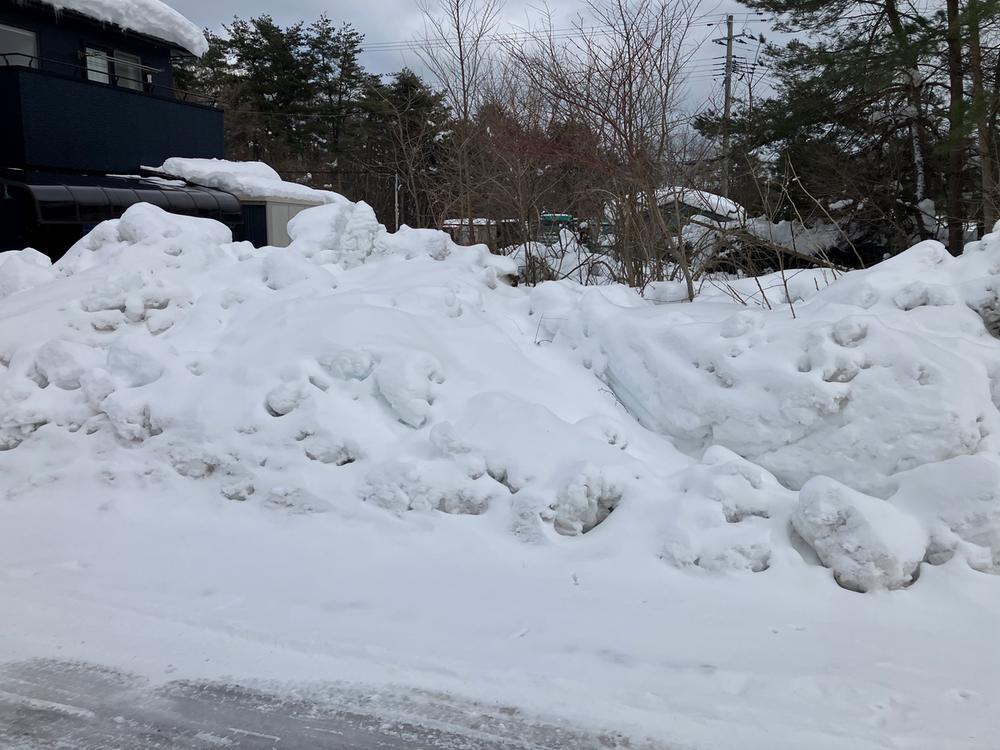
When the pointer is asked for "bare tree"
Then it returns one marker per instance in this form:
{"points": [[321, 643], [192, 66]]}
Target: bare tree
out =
{"points": [[455, 49], [621, 73], [523, 153]]}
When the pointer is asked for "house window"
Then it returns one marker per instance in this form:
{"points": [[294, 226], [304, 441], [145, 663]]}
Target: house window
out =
{"points": [[123, 69], [98, 65], [128, 71], [18, 47]]}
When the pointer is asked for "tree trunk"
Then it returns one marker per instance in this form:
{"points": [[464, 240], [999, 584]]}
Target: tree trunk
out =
{"points": [[956, 145], [987, 166], [918, 131]]}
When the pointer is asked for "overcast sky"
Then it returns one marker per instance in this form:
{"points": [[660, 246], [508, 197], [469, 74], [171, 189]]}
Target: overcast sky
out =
{"points": [[401, 20]]}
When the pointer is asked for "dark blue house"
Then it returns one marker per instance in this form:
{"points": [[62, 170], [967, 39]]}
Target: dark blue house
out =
{"points": [[86, 103]]}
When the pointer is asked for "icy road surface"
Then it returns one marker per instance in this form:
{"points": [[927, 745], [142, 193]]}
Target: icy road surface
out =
{"points": [[76, 706]]}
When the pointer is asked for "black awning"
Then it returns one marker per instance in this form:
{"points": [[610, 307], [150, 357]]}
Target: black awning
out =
{"points": [[89, 199]]}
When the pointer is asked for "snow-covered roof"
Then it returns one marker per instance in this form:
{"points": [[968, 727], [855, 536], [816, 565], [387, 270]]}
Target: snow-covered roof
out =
{"points": [[149, 17], [249, 180], [702, 201]]}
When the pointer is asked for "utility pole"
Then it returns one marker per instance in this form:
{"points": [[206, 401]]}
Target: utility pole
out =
{"points": [[728, 107]]}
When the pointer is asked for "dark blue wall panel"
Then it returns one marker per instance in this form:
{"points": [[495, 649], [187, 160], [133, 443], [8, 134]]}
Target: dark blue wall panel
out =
{"points": [[64, 123], [254, 226]]}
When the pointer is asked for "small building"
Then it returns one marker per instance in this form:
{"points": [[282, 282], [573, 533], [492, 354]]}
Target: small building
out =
{"points": [[494, 234], [479, 232], [87, 97], [265, 219], [551, 225], [268, 202]]}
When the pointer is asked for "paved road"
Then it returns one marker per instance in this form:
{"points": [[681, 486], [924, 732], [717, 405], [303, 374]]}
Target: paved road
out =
{"points": [[59, 705]]}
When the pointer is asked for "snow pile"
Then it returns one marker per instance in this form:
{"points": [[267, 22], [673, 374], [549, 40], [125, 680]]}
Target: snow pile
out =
{"points": [[859, 385], [392, 368], [564, 259], [207, 357], [149, 17], [413, 462], [248, 180], [817, 238], [23, 269]]}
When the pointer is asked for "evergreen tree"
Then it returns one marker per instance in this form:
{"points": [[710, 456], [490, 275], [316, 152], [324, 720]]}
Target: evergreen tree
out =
{"points": [[273, 87], [863, 110], [337, 83], [402, 125], [205, 78]]}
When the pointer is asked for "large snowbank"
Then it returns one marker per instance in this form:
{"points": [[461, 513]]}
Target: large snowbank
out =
{"points": [[150, 17], [246, 179], [366, 454], [877, 373]]}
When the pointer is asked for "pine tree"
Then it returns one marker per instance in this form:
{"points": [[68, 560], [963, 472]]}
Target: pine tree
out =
{"points": [[871, 104], [272, 87], [337, 81]]}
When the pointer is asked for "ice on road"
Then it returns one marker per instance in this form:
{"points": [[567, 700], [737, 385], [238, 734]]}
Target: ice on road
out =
{"points": [[71, 705]]}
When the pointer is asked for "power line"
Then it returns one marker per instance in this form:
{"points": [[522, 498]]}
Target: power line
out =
{"points": [[523, 36]]}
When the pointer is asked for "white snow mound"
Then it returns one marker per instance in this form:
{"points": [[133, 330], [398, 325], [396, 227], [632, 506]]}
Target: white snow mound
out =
{"points": [[858, 378], [362, 368]]}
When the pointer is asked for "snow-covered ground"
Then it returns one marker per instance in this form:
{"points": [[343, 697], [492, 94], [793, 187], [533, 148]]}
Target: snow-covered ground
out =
{"points": [[367, 459]]}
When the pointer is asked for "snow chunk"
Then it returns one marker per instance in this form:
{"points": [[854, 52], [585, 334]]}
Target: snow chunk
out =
{"points": [[959, 502], [62, 363], [149, 227], [340, 232], [428, 485], [23, 269], [588, 498], [405, 382], [868, 543], [284, 269], [134, 363], [664, 292], [149, 17]]}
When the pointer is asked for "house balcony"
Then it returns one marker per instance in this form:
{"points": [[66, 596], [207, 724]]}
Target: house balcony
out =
{"points": [[59, 120]]}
